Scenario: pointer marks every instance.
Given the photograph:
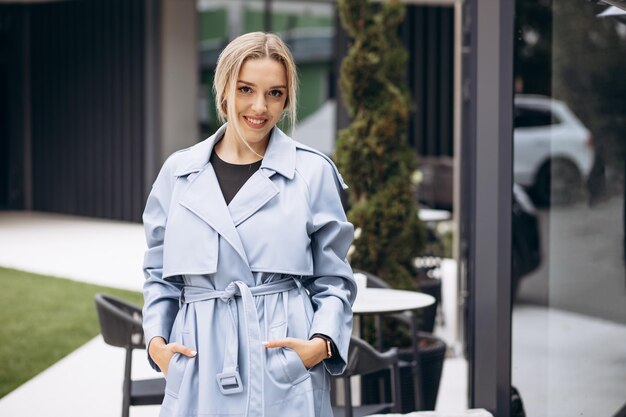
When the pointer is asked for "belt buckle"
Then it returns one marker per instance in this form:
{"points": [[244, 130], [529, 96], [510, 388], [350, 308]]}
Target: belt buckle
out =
{"points": [[229, 382]]}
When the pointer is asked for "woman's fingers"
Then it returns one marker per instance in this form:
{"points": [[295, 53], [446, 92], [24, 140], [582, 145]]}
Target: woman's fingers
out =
{"points": [[176, 347], [288, 342], [166, 353], [311, 352]]}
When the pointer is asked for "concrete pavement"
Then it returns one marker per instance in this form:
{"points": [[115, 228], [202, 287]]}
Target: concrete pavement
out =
{"points": [[103, 252]]}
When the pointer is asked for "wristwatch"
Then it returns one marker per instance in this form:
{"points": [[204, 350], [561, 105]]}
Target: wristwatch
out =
{"points": [[329, 344], [329, 349]]}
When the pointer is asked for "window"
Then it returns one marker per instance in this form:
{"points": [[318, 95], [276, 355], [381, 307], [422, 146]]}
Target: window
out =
{"points": [[527, 117]]}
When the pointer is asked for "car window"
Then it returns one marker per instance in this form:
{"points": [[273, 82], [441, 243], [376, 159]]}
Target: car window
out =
{"points": [[527, 117]]}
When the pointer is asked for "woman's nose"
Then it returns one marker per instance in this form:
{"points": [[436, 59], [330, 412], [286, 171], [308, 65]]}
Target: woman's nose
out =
{"points": [[259, 105]]}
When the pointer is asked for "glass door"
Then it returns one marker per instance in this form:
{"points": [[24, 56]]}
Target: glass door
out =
{"points": [[568, 227]]}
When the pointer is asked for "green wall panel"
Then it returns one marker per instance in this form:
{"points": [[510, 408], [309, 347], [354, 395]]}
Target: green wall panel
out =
{"points": [[212, 24]]}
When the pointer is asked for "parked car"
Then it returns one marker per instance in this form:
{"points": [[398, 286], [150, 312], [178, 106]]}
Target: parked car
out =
{"points": [[553, 156], [553, 150]]}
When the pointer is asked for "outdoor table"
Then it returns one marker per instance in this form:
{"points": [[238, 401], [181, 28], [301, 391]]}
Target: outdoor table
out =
{"points": [[387, 301], [377, 301], [432, 215]]}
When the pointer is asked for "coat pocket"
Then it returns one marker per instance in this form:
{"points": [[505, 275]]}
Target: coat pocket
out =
{"points": [[177, 367], [286, 363]]}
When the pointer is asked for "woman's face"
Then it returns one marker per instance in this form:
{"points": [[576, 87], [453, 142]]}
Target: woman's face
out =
{"points": [[260, 96]]}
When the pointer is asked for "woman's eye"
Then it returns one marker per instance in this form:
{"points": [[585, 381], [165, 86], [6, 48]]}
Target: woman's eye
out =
{"points": [[245, 89], [276, 93]]}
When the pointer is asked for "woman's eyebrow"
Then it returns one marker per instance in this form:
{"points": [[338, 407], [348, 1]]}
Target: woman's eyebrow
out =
{"points": [[254, 85]]}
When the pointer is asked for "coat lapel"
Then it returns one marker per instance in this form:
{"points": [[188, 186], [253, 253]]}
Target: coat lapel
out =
{"points": [[254, 194], [280, 157], [204, 198]]}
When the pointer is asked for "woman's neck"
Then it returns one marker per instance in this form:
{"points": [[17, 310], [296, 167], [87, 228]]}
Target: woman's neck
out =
{"points": [[231, 149]]}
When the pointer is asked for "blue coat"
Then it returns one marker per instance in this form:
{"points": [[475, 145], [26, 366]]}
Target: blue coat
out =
{"points": [[222, 279]]}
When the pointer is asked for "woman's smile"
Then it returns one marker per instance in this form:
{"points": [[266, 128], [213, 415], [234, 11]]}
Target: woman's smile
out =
{"points": [[255, 122]]}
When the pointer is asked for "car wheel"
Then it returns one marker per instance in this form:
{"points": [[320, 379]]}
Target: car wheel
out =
{"points": [[558, 182]]}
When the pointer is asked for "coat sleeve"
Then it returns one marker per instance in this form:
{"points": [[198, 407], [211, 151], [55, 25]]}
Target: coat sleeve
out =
{"points": [[332, 288], [160, 296]]}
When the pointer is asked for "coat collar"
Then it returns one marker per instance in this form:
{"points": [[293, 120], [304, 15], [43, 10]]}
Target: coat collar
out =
{"points": [[279, 157], [203, 196]]}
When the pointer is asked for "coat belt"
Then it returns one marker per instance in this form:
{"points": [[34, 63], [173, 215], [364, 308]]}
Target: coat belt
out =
{"points": [[229, 380]]}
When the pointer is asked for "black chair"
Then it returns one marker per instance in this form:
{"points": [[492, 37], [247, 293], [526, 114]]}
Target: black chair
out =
{"points": [[363, 359], [409, 319], [120, 324]]}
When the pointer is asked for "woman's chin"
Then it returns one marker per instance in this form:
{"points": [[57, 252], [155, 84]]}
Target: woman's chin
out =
{"points": [[254, 135]]}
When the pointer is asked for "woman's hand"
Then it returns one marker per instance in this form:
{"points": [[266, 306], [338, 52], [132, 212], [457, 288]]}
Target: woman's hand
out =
{"points": [[161, 353], [311, 352]]}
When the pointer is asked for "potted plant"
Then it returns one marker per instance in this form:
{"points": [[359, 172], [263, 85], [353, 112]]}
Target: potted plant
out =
{"points": [[374, 156], [372, 152]]}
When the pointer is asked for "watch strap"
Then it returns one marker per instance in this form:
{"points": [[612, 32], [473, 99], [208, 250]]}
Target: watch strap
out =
{"points": [[330, 345]]}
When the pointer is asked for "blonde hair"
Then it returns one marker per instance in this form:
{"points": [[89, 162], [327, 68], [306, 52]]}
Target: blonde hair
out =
{"points": [[254, 45]]}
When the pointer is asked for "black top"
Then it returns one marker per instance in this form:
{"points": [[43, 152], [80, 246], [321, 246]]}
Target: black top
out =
{"points": [[231, 177]]}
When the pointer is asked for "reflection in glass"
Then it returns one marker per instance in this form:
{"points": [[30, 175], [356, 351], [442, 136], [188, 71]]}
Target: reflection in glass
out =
{"points": [[554, 151], [569, 314]]}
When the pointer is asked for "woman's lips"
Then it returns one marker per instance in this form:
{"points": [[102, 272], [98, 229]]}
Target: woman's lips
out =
{"points": [[251, 122]]}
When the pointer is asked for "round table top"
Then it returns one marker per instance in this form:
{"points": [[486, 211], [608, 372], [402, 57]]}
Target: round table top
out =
{"points": [[387, 300], [432, 215]]}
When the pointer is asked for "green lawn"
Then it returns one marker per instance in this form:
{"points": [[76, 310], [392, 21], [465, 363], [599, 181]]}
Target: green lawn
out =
{"points": [[42, 320]]}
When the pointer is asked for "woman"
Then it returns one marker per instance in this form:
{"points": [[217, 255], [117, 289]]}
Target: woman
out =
{"points": [[248, 294]]}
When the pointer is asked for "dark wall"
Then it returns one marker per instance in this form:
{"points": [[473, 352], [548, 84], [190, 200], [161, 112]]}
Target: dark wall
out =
{"points": [[86, 107], [11, 107], [428, 33]]}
